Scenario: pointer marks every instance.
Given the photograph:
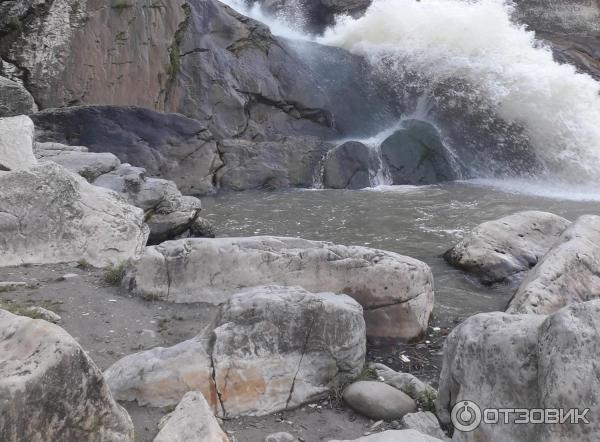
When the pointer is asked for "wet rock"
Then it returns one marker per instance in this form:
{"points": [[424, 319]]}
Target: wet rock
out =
{"points": [[378, 400], [524, 361], [280, 437], [51, 389], [286, 162], [15, 99], [349, 166], [567, 274], [60, 217], [272, 348], [505, 248], [168, 146], [415, 154], [395, 291], [16, 143], [192, 421], [394, 436], [424, 422]]}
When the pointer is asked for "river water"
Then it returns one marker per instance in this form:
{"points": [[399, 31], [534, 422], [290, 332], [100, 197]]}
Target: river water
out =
{"points": [[421, 222]]}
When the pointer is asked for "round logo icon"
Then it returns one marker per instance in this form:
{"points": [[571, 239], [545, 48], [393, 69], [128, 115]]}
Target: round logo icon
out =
{"points": [[466, 416]]}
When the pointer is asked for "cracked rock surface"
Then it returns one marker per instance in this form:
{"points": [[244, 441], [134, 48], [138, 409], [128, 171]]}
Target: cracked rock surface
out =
{"points": [[272, 348], [395, 291]]}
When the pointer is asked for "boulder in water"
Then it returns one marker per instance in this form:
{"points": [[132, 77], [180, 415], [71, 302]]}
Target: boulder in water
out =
{"points": [[504, 249], [415, 154], [567, 274], [349, 166]]}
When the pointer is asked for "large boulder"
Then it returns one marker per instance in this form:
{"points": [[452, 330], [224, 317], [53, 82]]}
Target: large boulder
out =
{"points": [[395, 291], [285, 162], [15, 99], [504, 249], [51, 390], [378, 400], [50, 215], [415, 154], [192, 421], [16, 143], [349, 166], [569, 273], [271, 349], [499, 360], [168, 146]]}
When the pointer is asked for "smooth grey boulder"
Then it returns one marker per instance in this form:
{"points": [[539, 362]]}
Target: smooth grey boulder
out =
{"points": [[16, 143], [15, 99], [504, 249], [394, 436], [192, 421], [50, 215], [378, 400], [271, 349], [415, 154], [525, 361], [168, 146], [349, 166], [51, 390], [424, 422], [284, 162], [567, 274], [395, 291]]}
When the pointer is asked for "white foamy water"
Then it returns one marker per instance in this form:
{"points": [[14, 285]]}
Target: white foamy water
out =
{"points": [[476, 42]]}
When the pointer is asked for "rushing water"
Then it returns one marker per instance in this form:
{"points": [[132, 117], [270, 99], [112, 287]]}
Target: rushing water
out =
{"points": [[421, 222]]}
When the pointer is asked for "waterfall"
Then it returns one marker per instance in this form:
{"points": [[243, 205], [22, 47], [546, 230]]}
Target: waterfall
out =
{"points": [[476, 43]]}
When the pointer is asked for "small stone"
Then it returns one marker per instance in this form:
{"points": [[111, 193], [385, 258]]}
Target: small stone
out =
{"points": [[280, 437]]}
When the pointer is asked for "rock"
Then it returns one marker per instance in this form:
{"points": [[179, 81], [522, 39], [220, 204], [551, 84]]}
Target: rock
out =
{"points": [[202, 228], [406, 382], [525, 361], [89, 165], [287, 162], [505, 248], [42, 149], [192, 421], [349, 166], [15, 99], [394, 436], [164, 227], [51, 389], [395, 291], [42, 313], [415, 154], [280, 437], [168, 146], [16, 143], [378, 400], [424, 422], [567, 274], [271, 349], [9, 286], [59, 217]]}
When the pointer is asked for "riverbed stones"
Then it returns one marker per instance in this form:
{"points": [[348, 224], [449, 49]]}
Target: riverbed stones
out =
{"points": [[349, 166], [569, 273], [394, 436], [51, 390], [50, 215], [192, 421], [378, 400], [396, 291], [415, 154], [16, 143], [504, 249], [271, 349], [525, 361]]}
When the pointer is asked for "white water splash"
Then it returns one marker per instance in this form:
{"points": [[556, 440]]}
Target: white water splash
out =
{"points": [[475, 41]]}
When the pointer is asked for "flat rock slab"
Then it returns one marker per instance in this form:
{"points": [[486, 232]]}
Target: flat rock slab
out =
{"points": [[271, 349], [503, 249], [50, 215], [51, 390], [569, 273], [378, 400], [395, 291], [192, 421]]}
